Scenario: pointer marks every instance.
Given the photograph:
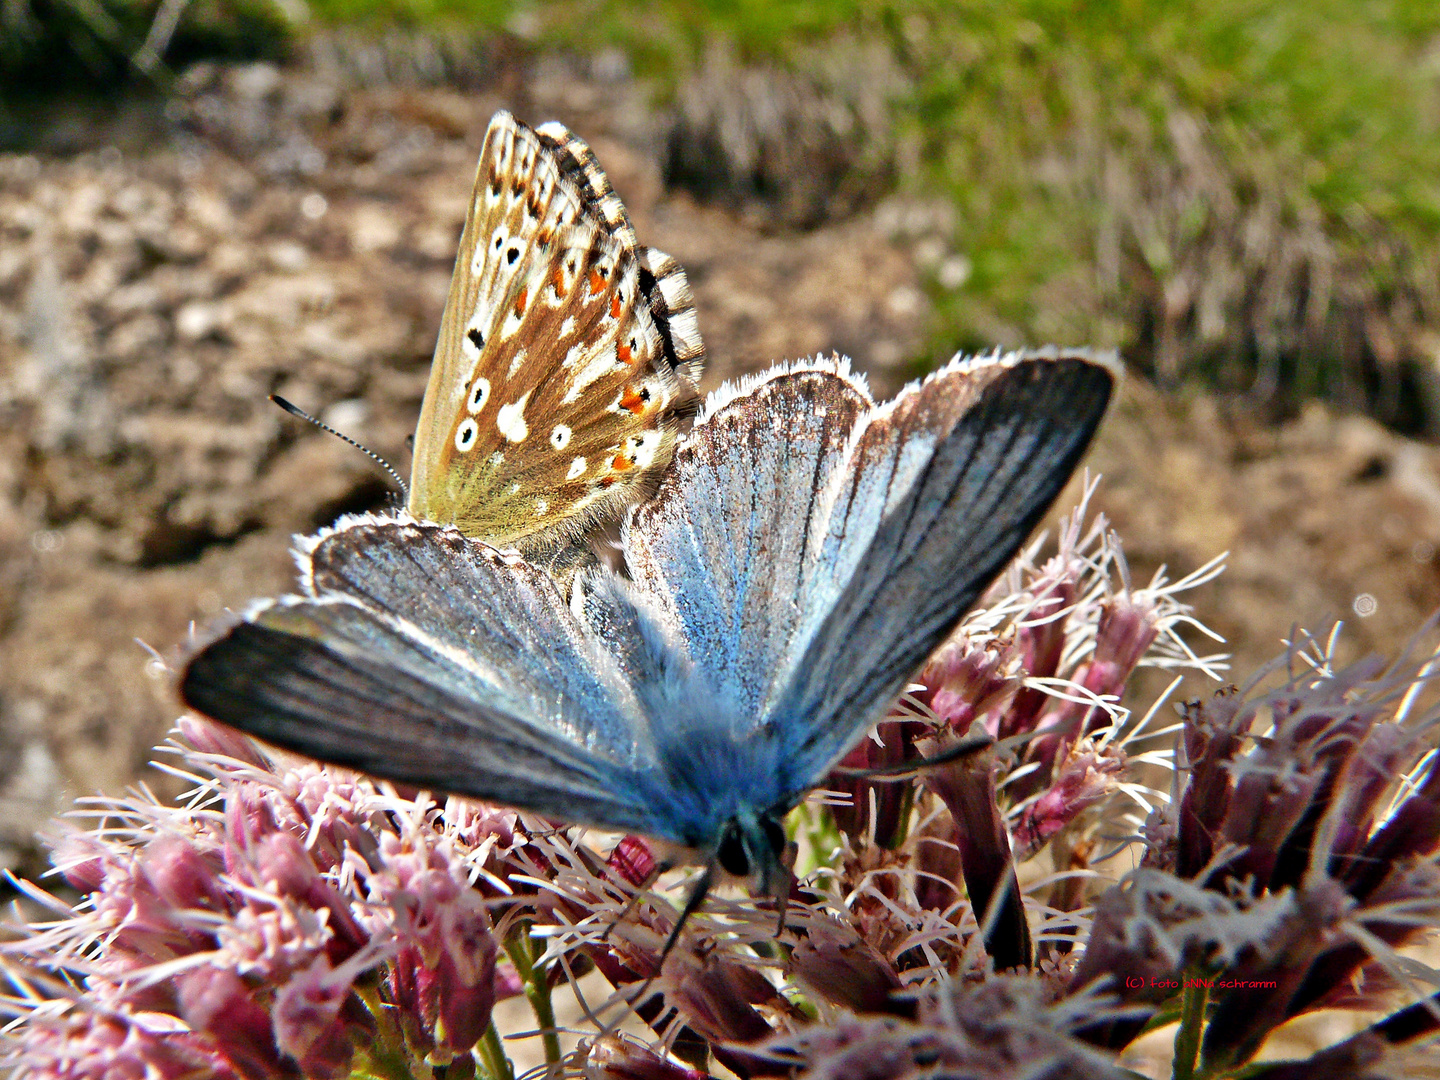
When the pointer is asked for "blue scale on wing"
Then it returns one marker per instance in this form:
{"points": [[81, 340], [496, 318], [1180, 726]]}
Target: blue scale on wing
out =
{"points": [[941, 491], [493, 623], [813, 558], [722, 545], [430, 659]]}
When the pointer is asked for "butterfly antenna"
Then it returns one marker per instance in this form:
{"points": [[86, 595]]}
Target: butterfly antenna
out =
{"points": [[295, 410], [692, 904], [904, 770]]}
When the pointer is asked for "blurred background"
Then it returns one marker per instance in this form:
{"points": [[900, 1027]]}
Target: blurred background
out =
{"points": [[203, 202]]}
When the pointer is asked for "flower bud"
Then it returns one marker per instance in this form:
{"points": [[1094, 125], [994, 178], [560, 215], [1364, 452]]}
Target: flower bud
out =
{"points": [[612, 1057], [836, 963]]}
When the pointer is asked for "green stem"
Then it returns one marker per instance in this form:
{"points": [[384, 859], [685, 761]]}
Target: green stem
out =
{"points": [[387, 1053], [521, 950], [1193, 1000], [907, 804], [492, 1056]]}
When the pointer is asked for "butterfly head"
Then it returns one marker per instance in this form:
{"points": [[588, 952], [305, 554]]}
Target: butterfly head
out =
{"points": [[753, 846]]}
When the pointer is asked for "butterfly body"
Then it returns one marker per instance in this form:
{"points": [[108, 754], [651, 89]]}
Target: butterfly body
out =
{"points": [[567, 354], [804, 553]]}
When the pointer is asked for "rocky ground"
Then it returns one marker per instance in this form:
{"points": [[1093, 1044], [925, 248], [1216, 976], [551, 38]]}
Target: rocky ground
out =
{"points": [[291, 232]]}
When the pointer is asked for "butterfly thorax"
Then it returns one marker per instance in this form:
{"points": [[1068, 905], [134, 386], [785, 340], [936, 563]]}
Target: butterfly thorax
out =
{"points": [[724, 796]]}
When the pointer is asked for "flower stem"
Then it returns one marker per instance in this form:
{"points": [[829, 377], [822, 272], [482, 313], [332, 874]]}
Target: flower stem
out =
{"points": [[1192, 1026], [521, 950], [493, 1060], [387, 1053]]}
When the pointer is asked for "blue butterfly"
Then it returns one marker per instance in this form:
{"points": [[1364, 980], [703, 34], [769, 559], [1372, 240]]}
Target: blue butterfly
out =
{"points": [[804, 553]]}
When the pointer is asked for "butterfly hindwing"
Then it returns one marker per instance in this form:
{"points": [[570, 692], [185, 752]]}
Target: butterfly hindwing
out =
{"points": [[425, 658], [565, 363]]}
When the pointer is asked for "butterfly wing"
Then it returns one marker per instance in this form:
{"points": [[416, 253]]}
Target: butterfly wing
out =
{"points": [[566, 358], [940, 490], [666, 289], [722, 550], [819, 596], [422, 657]]}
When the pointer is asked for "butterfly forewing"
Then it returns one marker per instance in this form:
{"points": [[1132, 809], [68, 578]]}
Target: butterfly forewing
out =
{"points": [[822, 595], [565, 363], [941, 489]]}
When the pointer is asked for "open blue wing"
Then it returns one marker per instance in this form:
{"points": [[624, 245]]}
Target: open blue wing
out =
{"points": [[722, 551], [423, 657], [815, 549]]}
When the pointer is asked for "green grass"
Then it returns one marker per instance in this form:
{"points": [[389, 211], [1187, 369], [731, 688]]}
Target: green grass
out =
{"points": [[1318, 119], [1325, 113]]}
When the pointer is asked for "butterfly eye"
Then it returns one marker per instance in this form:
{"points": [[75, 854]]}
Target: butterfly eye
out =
{"points": [[731, 854], [560, 437], [466, 434], [479, 394]]}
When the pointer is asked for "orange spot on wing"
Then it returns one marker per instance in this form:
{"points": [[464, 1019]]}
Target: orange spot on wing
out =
{"points": [[632, 401], [557, 280], [597, 283], [520, 302], [621, 463], [615, 306], [624, 353], [606, 481]]}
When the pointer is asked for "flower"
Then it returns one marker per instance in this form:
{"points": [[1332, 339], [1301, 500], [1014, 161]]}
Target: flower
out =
{"points": [[277, 922], [285, 919]]}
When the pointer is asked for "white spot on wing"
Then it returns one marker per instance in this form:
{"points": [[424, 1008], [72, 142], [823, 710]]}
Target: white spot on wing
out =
{"points": [[645, 446], [511, 420], [577, 469], [684, 328], [560, 436], [675, 291], [466, 434], [516, 364], [467, 343], [541, 506], [604, 361], [479, 394]]}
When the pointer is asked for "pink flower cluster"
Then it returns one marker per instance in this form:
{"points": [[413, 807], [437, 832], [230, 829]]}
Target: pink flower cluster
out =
{"points": [[290, 920], [276, 924]]}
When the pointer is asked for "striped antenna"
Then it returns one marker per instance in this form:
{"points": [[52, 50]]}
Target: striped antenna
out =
{"points": [[295, 410]]}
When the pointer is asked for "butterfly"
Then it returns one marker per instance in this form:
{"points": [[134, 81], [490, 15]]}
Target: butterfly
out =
{"points": [[803, 555], [568, 355]]}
